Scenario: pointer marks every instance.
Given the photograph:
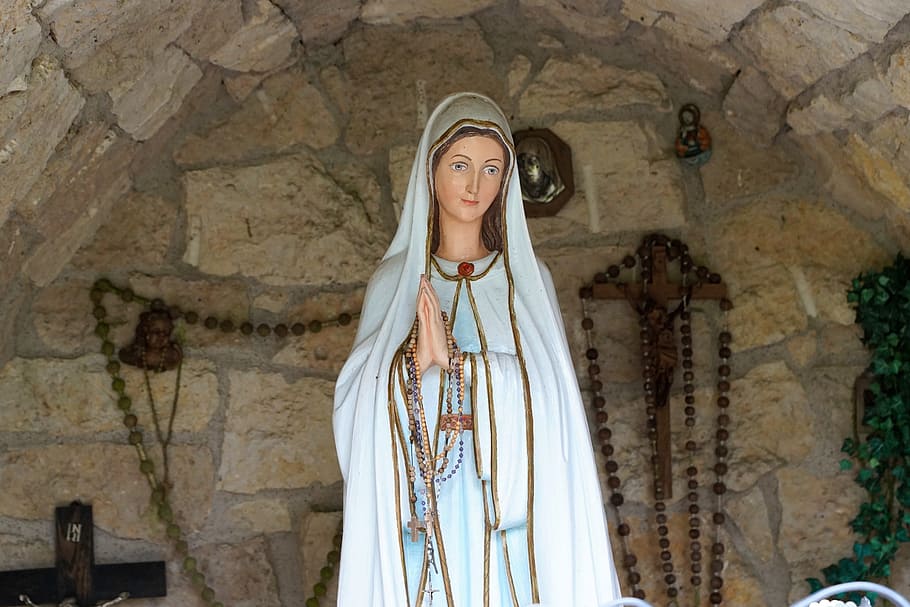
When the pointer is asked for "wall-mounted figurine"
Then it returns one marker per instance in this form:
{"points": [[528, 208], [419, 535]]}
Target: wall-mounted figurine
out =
{"points": [[544, 171], [152, 347], [693, 144]]}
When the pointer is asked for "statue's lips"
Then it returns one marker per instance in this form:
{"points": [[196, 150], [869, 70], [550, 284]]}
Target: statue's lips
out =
{"points": [[470, 202]]}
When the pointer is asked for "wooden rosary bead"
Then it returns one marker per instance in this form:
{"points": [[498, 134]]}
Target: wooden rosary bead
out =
{"points": [[691, 446], [726, 305], [690, 411], [725, 337], [639, 594], [599, 402], [587, 324], [613, 271], [623, 529], [263, 330], [660, 506], [634, 577], [722, 434], [617, 499], [211, 322], [717, 566], [586, 292], [600, 278], [601, 417], [603, 449], [670, 579], [630, 560], [723, 370], [720, 468], [628, 261], [694, 534], [719, 518], [714, 278], [661, 519], [665, 555], [672, 592], [716, 598], [246, 328], [695, 556], [611, 466], [721, 451], [720, 488], [667, 567], [663, 530], [696, 567], [593, 370], [723, 402], [725, 352], [604, 434], [613, 482], [723, 386], [696, 580], [688, 376], [692, 484], [718, 548], [597, 385], [663, 543], [693, 496], [693, 509], [717, 582], [723, 420]]}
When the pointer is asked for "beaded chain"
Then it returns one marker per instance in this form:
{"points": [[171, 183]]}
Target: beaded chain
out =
{"points": [[676, 250], [160, 494]]}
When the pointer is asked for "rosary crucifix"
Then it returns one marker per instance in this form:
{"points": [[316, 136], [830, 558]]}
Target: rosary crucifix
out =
{"points": [[651, 298]]}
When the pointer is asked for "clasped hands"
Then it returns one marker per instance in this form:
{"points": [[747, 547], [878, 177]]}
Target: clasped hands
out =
{"points": [[432, 346]]}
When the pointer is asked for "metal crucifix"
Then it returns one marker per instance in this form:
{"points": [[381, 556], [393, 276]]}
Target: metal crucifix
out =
{"points": [[652, 299], [76, 581]]}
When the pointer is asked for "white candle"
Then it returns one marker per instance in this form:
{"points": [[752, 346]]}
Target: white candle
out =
{"points": [[587, 172]]}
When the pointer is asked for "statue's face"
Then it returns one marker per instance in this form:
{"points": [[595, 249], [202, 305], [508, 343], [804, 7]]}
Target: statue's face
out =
{"points": [[468, 178]]}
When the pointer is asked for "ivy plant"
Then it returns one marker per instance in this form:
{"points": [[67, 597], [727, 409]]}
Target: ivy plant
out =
{"points": [[882, 457]]}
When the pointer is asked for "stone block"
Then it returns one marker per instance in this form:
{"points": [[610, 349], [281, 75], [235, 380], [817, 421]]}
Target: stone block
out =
{"points": [[20, 552], [241, 573], [623, 179], [403, 11], [317, 532], [321, 23], [384, 68], [286, 111], [701, 23], [591, 18], [792, 233], [583, 83], [782, 33], [897, 76], [84, 198], [278, 434], [108, 42], [265, 41], [767, 307], [61, 314], [739, 168], [519, 70], [815, 516], [106, 476], [259, 516], [753, 107], [285, 222], [136, 236], [144, 104], [771, 425], [867, 19], [32, 123], [326, 350], [749, 512], [211, 28], [20, 36], [63, 398], [880, 171]]}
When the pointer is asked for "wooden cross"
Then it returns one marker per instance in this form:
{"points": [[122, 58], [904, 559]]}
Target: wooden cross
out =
{"points": [[661, 292], [76, 575]]}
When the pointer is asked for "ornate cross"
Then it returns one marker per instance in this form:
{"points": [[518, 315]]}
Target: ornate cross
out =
{"points": [[652, 299], [76, 580]]}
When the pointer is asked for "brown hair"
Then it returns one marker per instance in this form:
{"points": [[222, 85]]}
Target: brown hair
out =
{"points": [[491, 227]]}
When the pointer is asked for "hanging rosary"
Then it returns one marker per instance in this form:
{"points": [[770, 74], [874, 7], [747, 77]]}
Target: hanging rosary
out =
{"points": [[153, 350], [453, 426], [650, 300]]}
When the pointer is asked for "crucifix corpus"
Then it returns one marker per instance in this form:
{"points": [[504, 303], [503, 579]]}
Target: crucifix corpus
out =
{"points": [[76, 580], [658, 302]]}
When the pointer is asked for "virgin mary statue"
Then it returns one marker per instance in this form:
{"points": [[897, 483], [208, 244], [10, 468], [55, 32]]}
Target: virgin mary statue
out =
{"points": [[461, 435]]}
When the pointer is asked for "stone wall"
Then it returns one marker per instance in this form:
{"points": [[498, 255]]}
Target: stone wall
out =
{"points": [[270, 194]]}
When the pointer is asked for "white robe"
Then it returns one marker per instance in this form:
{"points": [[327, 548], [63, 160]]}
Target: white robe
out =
{"points": [[546, 498]]}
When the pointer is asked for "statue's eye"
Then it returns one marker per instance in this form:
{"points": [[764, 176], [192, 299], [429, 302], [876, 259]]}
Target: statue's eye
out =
{"points": [[491, 170], [459, 166]]}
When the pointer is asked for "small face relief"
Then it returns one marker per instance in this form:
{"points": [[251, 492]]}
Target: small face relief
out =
{"points": [[468, 179]]}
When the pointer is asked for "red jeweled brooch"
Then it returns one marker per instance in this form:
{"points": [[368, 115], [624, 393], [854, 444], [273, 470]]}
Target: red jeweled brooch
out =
{"points": [[465, 268]]}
